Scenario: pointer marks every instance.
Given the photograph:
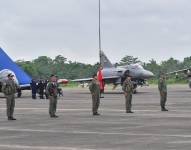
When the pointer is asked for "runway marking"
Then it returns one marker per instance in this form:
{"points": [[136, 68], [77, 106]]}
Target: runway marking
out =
{"points": [[180, 142], [12, 136], [41, 147], [99, 133]]}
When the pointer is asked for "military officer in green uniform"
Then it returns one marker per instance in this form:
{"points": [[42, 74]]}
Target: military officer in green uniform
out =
{"points": [[128, 91], [162, 86], [51, 91], [94, 88], [9, 89]]}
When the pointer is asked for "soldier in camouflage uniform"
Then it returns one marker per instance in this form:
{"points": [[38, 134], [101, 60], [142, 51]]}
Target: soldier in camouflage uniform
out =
{"points": [[128, 91], [9, 88], [94, 88], [162, 86], [51, 91]]}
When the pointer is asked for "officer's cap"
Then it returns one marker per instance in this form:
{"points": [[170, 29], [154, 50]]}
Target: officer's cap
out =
{"points": [[10, 75], [127, 73], [52, 75]]}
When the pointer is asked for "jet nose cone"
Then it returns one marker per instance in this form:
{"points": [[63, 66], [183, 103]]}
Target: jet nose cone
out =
{"points": [[148, 74]]}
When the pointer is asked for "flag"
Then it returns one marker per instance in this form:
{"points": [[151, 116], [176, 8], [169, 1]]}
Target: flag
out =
{"points": [[100, 79]]}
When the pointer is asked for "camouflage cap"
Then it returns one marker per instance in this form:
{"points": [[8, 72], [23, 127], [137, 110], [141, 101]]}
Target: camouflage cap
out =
{"points": [[127, 73], [162, 74], [94, 75]]}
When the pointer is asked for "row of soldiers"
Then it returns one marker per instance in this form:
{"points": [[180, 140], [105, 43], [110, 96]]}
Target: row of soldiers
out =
{"points": [[39, 86], [127, 87], [9, 88]]}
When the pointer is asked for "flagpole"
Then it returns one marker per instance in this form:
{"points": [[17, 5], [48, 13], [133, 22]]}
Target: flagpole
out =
{"points": [[100, 31]]}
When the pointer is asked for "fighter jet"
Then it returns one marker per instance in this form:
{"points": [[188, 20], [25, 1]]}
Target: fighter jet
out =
{"points": [[7, 65], [117, 75], [186, 72]]}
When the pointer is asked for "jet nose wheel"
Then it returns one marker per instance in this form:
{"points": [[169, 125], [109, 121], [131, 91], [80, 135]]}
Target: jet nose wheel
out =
{"points": [[134, 91], [190, 84]]}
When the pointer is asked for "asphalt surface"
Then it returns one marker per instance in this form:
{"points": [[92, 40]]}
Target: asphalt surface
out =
{"points": [[76, 129]]}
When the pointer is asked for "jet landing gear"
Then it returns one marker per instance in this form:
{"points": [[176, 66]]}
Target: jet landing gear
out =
{"points": [[134, 88]]}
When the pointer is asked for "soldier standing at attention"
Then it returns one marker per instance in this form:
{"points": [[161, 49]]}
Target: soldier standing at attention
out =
{"points": [[162, 86], [33, 85], [9, 88], [41, 89], [94, 88], [128, 91], [52, 92]]}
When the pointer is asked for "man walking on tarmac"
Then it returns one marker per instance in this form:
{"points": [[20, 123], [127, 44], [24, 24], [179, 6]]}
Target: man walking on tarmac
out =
{"points": [[162, 86]]}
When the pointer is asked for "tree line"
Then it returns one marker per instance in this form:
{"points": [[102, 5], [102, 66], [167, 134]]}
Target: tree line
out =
{"points": [[43, 66]]}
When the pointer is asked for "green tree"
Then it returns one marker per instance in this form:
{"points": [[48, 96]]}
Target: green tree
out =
{"points": [[170, 65], [153, 67], [187, 62], [127, 60]]}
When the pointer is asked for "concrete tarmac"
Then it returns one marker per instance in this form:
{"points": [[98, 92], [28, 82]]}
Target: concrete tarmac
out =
{"points": [[76, 129]]}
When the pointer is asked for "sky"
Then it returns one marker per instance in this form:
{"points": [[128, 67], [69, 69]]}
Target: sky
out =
{"points": [[147, 29]]}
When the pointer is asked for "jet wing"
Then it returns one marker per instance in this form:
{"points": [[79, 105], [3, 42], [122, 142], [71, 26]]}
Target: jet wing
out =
{"points": [[180, 71], [89, 79], [25, 87], [82, 80]]}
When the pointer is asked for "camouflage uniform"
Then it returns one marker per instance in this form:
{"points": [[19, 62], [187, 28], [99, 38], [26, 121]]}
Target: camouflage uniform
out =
{"points": [[9, 88], [94, 88], [51, 91], [128, 89], [163, 92]]}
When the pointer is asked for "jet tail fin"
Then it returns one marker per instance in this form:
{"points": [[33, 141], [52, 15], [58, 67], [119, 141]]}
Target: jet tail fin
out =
{"points": [[105, 62], [7, 63]]}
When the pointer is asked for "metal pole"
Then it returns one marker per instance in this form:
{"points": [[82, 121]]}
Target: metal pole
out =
{"points": [[100, 31]]}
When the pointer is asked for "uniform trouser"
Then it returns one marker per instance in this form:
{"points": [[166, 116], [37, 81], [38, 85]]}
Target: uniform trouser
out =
{"points": [[95, 103], [163, 99], [52, 105], [128, 102], [10, 105], [41, 93], [33, 94]]}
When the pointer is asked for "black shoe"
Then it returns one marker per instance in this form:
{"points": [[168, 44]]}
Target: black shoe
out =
{"points": [[129, 112], [96, 114], [164, 109], [11, 118], [54, 116]]}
